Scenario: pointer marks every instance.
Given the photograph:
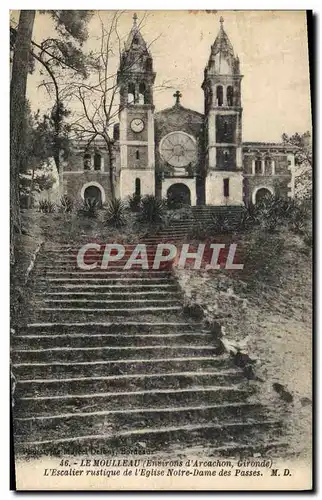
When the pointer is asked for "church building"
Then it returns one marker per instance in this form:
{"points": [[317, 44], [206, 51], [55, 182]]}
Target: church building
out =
{"points": [[179, 152]]}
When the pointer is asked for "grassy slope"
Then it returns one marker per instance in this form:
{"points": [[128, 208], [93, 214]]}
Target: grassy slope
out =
{"points": [[269, 301]]}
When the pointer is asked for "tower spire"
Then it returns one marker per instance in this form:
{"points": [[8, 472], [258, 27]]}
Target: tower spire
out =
{"points": [[135, 18], [221, 20]]}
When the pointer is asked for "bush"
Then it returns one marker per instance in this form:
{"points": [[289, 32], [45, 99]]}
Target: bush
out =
{"points": [[46, 206], [66, 204], [220, 223], [89, 208], [269, 213], [272, 212], [115, 213], [135, 202], [199, 231], [153, 210], [247, 217]]}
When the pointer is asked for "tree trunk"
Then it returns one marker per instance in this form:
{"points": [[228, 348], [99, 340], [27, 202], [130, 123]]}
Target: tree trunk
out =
{"points": [[29, 199], [20, 66], [111, 169]]}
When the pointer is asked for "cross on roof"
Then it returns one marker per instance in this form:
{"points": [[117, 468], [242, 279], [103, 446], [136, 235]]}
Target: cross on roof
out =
{"points": [[177, 95], [135, 18]]}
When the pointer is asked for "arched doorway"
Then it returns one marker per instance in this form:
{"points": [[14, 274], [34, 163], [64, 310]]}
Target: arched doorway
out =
{"points": [[261, 194], [93, 192], [179, 193]]}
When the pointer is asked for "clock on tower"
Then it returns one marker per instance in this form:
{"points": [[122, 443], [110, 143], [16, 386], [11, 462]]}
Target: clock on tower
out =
{"points": [[136, 114]]}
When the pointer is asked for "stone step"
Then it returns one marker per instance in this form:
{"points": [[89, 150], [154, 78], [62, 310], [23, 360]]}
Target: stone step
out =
{"points": [[59, 354], [107, 305], [125, 383], [149, 295], [97, 327], [54, 314], [99, 274], [68, 424], [107, 281], [225, 439], [99, 288], [117, 268], [97, 401], [108, 339], [159, 365]]}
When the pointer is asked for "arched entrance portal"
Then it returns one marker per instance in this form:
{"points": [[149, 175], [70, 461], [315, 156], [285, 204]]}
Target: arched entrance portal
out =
{"points": [[261, 194], [180, 193], [93, 192]]}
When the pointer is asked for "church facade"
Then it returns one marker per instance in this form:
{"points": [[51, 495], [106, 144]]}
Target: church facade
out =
{"points": [[179, 152]]}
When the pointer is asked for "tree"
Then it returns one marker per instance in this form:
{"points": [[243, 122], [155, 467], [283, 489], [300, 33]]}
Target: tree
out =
{"points": [[36, 155], [302, 145], [20, 66], [62, 59], [100, 103], [54, 54]]}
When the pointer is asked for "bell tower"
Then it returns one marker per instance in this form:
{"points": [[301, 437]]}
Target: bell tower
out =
{"points": [[223, 124], [135, 79]]}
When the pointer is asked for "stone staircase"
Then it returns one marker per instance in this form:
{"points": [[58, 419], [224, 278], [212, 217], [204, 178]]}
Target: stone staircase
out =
{"points": [[198, 216], [107, 359]]}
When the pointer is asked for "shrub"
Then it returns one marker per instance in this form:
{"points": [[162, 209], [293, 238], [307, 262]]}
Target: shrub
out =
{"points": [[135, 202], [89, 208], [46, 206], [268, 213], [220, 223], [115, 213], [273, 212], [66, 204], [199, 231], [153, 210], [247, 218]]}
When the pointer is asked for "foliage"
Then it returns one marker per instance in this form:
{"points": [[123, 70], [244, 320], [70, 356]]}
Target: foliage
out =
{"points": [[271, 213], [220, 223], [153, 210], [72, 23], [89, 208], [115, 213], [135, 202], [199, 231], [302, 145], [35, 170], [46, 206], [66, 204]]}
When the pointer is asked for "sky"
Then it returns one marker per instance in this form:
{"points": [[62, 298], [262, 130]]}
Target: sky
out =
{"points": [[271, 45]]}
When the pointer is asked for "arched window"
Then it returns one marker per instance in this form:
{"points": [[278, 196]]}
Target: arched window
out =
{"points": [[131, 93], [142, 93], [220, 95], [97, 161], [87, 161], [230, 96], [226, 188], [208, 96], [148, 64], [225, 128], [258, 166], [135, 41], [226, 156], [137, 154], [268, 165], [138, 186]]}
